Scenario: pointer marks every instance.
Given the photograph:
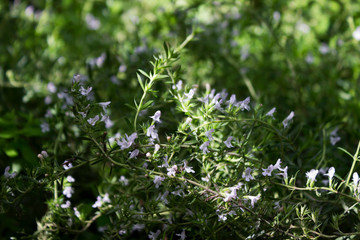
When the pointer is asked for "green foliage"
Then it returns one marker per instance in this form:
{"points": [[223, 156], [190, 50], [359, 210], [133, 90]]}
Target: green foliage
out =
{"points": [[298, 56]]}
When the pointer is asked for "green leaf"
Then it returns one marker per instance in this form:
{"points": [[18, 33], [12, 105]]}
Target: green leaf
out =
{"points": [[147, 104], [140, 81], [143, 73], [11, 152]]}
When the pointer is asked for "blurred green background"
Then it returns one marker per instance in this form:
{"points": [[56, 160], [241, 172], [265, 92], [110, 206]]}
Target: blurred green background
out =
{"points": [[295, 55]]}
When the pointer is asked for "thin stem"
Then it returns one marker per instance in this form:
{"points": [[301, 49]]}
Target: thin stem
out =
{"points": [[355, 159]]}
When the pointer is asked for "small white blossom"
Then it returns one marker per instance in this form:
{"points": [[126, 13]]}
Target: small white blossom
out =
{"points": [[124, 180], [222, 217], [84, 91], [232, 100], [172, 171], [311, 175], [330, 173], [51, 87], [324, 48], [163, 197], [100, 201], [355, 179], [67, 165], [288, 119], [187, 168], [356, 34], [206, 179], [70, 179], [268, 171], [76, 212], [45, 127], [134, 154], [334, 137], [106, 198], [157, 148], [68, 191], [154, 236], [165, 164], [284, 172], [231, 195], [247, 174], [152, 132], [182, 235], [228, 142], [309, 58], [66, 205], [158, 180], [92, 121], [271, 112], [190, 94], [122, 232], [157, 116], [204, 147], [276, 16], [9, 175], [178, 86], [208, 134], [138, 227], [254, 199], [124, 144], [104, 105], [244, 104], [277, 164], [44, 154], [92, 22]]}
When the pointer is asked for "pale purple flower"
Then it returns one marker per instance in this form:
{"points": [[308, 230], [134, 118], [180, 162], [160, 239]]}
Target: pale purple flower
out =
{"points": [[104, 105], [208, 134], [156, 116], [51, 87], [284, 172], [330, 173], [222, 217], [182, 235], [178, 86], [206, 179], [156, 148], [134, 154], [271, 112], [122, 232], [70, 179], [124, 144], [92, 22], [83, 114], [268, 171], [244, 104], [276, 16], [163, 197], [85, 91], [204, 147], [277, 164], [311, 175], [92, 121], [122, 68], [232, 100], [324, 48], [172, 171], [288, 119], [9, 175], [247, 174], [158, 180], [231, 195], [152, 132], [154, 236], [68, 191], [66, 205], [254, 199], [187, 168], [190, 94], [309, 58], [99, 200], [334, 137], [138, 227], [178, 192], [106, 198], [356, 34], [165, 164], [45, 127], [67, 165], [76, 212], [218, 105], [228, 142], [124, 180], [44, 154]]}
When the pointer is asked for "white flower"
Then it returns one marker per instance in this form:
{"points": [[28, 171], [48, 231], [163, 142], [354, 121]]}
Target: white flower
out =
{"points": [[67, 165], [172, 171], [9, 175], [44, 154], [302, 27], [206, 179], [163, 197], [92, 22], [51, 87], [104, 105], [124, 144], [253, 199], [165, 164], [309, 58], [83, 114], [284, 172], [84, 91], [271, 112], [276, 16], [324, 48], [178, 86], [232, 100], [356, 34], [76, 212], [158, 180], [154, 236], [124, 180], [190, 94], [66, 205], [267, 171], [157, 148], [134, 154], [247, 174], [355, 179], [208, 134], [228, 142], [288, 119], [70, 179], [122, 232], [204, 147], [222, 217], [277, 164], [45, 127], [68, 191], [311, 175], [244, 104], [99, 200], [156, 116], [330, 173], [106, 198], [334, 137], [231, 195], [92, 121], [152, 132], [187, 168], [182, 235]]}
